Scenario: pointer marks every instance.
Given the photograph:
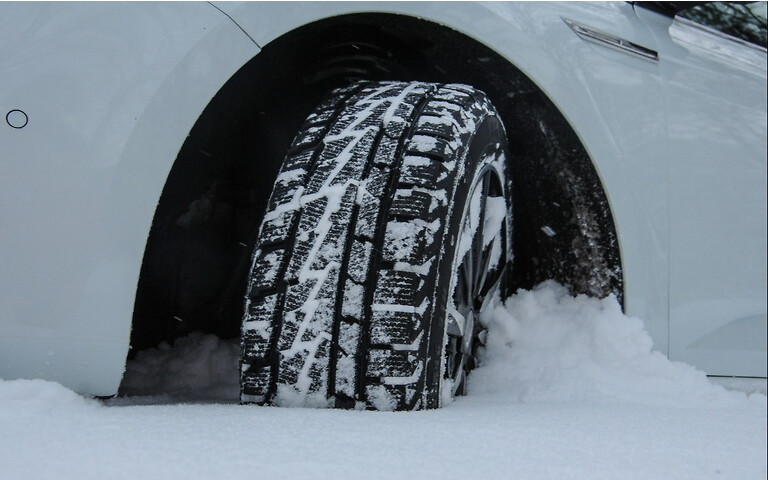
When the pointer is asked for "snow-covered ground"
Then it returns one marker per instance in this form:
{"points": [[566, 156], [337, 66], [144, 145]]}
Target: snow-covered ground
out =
{"points": [[569, 388]]}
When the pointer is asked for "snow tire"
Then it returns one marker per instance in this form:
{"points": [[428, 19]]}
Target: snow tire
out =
{"points": [[355, 267]]}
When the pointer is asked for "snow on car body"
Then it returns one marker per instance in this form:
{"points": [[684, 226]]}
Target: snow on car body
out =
{"points": [[111, 93]]}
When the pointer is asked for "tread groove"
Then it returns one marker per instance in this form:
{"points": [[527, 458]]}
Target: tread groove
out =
{"points": [[377, 257], [332, 361]]}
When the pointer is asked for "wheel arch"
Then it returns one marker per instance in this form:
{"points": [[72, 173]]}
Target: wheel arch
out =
{"points": [[565, 227]]}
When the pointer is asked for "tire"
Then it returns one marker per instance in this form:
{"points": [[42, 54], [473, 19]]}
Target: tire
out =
{"points": [[365, 286]]}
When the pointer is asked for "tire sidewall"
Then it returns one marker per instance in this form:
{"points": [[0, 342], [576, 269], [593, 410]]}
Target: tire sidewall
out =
{"points": [[489, 135]]}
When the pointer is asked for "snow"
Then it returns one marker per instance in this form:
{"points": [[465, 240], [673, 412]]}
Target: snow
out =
{"points": [[197, 367], [495, 214], [420, 269], [395, 308], [569, 388], [389, 114], [296, 175], [584, 349], [423, 143]]}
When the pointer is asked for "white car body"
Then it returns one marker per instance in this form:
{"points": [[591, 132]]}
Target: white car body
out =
{"points": [[111, 91]]}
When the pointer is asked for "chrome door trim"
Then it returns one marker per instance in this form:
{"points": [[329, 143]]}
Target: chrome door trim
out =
{"points": [[612, 42]]}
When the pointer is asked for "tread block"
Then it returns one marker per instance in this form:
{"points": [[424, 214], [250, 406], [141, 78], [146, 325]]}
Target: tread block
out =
{"points": [[413, 204], [460, 87], [319, 117], [477, 99], [395, 328], [258, 323], [338, 97], [437, 108], [308, 310], [346, 364], [367, 217], [394, 128], [354, 300], [407, 242], [325, 220], [332, 235], [286, 187], [254, 346], [311, 136], [359, 261], [421, 171], [325, 167], [278, 229], [298, 161], [318, 370], [374, 186], [320, 324], [266, 269], [341, 161], [443, 126], [296, 297], [398, 291], [255, 381], [346, 375], [385, 398], [291, 322], [417, 91], [393, 363], [290, 367], [397, 121], [349, 338], [260, 310], [430, 145], [352, 170], [454, 96], [357, 118], [387, 151], [305, 236], [378, 91], [369, 198]]}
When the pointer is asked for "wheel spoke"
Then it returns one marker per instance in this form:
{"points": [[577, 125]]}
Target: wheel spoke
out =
{"points": [[456, 322], [460, 387], [487, 295], [490, 273], [484, 267], [468, 278], [481, 260], [479, 236]]}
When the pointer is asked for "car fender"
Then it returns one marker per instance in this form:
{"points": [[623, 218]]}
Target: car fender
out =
{"points": [[111, 92]]}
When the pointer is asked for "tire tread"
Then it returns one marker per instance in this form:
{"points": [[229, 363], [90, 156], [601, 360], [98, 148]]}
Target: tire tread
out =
{"points": [[343, 260]]}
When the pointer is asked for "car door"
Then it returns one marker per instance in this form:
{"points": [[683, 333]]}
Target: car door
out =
{"points": [[715, 97]]}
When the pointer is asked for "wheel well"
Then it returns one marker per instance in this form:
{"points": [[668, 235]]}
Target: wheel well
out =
{"points": [[198, 253]]}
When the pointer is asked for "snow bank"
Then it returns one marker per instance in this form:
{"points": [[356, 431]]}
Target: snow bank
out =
{"points": [[543, 345], [547, 345], [39, 397]]}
